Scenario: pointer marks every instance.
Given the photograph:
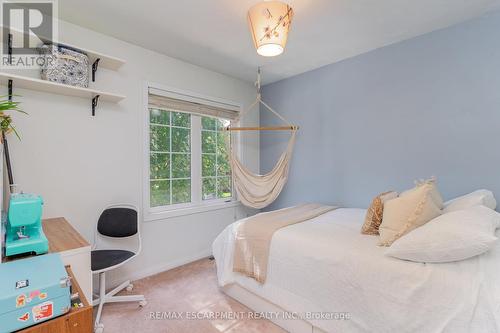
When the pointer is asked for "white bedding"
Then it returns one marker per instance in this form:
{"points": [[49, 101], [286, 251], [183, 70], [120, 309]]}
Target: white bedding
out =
{"points": [[326, 265]]}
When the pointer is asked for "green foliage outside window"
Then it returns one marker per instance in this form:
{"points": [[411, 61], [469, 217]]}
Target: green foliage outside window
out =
{"points": [[216, 171], [170, 157]]}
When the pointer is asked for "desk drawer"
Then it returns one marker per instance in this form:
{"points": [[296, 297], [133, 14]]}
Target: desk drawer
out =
{"points": [[80, 322]]}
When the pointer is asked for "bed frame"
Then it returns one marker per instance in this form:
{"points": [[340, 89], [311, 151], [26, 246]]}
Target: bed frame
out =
{"points": [[259, 304]]}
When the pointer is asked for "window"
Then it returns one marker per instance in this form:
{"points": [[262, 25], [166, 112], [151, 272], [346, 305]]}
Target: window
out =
{"points": [[216, 171], [170, 157], [188, 154]]}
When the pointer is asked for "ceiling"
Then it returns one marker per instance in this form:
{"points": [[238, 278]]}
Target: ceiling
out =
{"points": [[214, 33]]}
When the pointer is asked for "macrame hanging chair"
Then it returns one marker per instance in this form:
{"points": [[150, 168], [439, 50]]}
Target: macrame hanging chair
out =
{"points": [[255, 190]]}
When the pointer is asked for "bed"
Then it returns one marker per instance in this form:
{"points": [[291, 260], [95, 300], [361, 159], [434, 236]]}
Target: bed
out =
{"points": [[327, 277]]}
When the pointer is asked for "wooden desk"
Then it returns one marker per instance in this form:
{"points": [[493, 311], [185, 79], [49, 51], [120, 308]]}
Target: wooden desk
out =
{"points": [[62, 236], [73, 248], [77, 320]]}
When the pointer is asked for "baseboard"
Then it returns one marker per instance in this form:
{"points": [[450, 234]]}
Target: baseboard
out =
{"points": [[140, 274]]}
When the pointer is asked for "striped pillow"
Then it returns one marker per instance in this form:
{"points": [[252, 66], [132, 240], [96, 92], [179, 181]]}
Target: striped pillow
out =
{"points": [[375, 212]]}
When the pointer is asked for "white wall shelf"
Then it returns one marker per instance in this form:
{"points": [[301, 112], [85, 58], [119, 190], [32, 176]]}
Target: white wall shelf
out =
{"points": [[95, 59], [57, 88], [24, 82], [105, 61]]}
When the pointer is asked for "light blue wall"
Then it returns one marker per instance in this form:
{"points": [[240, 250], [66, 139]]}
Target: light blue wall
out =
{"points": [[426, 106]]}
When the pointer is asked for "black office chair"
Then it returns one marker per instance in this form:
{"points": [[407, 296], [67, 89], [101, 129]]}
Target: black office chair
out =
{"points": [[120, 224]]}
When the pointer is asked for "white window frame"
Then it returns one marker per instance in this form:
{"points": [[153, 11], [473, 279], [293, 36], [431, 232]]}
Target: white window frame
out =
{"points": [[197, 205]]}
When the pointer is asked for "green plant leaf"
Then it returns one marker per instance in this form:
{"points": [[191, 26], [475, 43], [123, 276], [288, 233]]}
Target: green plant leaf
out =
{"points": [[5, 119]]}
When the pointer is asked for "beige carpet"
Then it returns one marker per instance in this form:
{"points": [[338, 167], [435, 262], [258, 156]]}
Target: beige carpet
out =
{"points": [[191, 288]]}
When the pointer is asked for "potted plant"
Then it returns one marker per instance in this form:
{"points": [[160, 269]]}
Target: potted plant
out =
{"points": [[6, 127], [5, 119]]}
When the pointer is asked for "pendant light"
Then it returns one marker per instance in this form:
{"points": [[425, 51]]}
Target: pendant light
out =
{"points": [[269, 23]]}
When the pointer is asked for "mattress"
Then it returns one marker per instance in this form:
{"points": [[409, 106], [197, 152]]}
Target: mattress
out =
{"points": [[339, 280]]}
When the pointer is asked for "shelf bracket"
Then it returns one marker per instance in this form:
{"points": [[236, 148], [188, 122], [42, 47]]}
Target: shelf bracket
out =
{"points": [[94, 68], [94, 104], [9, 87], [9, 48]]}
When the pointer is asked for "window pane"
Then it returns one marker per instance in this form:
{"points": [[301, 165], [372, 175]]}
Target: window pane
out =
{"points": [[208, 142], [159, 193], [208, 165], [208, 191], [157, 116], [222, 141], [159, 138], [208, 123], [215, 159], [181, 191], [222, 123], [181, 119], [159, 166], [180, 140], [224, 187], [181, 166], [223, 166]]}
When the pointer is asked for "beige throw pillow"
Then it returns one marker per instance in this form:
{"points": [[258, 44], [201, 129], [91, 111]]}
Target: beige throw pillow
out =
{"points": [[436, 196], [375, 212], [410, 210]]}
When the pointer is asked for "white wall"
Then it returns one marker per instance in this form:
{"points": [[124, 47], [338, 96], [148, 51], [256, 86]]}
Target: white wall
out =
{"points": [[80, 163]]}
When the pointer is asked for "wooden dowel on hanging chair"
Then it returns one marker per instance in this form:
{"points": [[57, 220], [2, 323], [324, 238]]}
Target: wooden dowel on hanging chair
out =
{"points": [[271, 128]]}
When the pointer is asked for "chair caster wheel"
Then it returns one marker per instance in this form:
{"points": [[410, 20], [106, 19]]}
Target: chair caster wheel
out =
{"points": [[99, 328], [130, 287], [143, 303]]}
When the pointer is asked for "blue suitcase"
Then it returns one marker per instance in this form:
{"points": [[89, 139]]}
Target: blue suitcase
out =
{"points": [[32, 290]]}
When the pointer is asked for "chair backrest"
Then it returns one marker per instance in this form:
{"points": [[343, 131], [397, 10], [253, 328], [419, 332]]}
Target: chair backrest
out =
{"points": [[118, 222]]}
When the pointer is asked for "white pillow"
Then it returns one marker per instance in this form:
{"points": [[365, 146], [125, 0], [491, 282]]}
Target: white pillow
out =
{"points": [[476, 198], [449, 237]]}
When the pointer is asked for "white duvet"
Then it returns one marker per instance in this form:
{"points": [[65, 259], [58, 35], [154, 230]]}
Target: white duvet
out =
{"points": [[326, 265]]}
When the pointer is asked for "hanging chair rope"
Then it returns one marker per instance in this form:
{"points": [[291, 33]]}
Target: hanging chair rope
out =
{"points": [[255, 190], [260, 101], [258, 191]]}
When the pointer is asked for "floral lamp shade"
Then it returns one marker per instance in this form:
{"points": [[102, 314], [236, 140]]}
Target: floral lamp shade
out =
{"points": [[269, 24]]}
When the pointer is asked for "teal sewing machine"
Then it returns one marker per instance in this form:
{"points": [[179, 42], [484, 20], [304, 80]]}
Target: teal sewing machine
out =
{"points": [[24, 232]]}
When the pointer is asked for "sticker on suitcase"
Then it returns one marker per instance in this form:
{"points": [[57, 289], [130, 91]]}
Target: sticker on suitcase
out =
{"points": [[24, 317], [34, 294], [43, 311], [20, 301]]}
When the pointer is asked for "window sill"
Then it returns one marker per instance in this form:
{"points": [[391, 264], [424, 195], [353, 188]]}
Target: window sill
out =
{"points": [[170, 213]]}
